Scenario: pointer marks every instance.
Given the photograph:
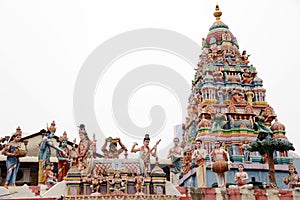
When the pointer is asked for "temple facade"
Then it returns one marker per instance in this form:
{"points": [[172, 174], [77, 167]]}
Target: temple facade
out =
{"points": [[228, 104]]}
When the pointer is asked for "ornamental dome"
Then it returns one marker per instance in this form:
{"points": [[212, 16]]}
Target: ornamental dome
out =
{"points": [[219, 34], [277, 126]]}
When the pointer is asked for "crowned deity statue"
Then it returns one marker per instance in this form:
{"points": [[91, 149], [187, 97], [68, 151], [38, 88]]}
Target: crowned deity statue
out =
{"points": [[45, 150], [13, 152], [64, 159]]}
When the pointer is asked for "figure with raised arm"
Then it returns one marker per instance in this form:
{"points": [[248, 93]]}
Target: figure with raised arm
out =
{"points": [[198, 158], [220, 165], [113, 152], [293, 179], [13, 151], [45, 150], [144, 156]]}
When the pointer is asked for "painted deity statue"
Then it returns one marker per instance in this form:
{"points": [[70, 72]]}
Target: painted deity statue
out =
{"points": [[51, 178], [63, 159], [241, 178], [198, 159], [245, 147], [83, 148], [220, 165], [175, 153], [117, 184], [113, 152], [45, 149], [245, 57], [13, 151], [139, 183], [293, 179], [46, 144], [96, 179], [145, 152]]}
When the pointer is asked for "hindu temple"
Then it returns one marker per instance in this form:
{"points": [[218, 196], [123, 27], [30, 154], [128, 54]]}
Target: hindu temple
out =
{"points": [[228, 104], [232, 146]]}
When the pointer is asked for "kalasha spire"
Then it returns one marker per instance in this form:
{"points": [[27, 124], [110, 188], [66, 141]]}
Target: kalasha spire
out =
{"points": [[218, 12]]}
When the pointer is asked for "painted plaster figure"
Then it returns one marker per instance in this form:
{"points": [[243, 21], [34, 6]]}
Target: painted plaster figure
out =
{"points": [[13, 151], [198, 157], [220, 165], [175, 153]]}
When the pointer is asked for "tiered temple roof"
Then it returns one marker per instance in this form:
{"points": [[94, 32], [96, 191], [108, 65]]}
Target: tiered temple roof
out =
{"points": [[228, 98]]}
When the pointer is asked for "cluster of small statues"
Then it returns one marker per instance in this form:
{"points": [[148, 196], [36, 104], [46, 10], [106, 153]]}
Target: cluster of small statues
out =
{"points": [[85, 154]]}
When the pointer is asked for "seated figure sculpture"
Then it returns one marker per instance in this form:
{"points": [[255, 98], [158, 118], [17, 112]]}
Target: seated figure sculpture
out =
{"points": [[240, 178], [117, 184]]}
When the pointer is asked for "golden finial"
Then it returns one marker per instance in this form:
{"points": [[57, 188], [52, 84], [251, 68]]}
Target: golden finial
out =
{"points": [[218, 12]]}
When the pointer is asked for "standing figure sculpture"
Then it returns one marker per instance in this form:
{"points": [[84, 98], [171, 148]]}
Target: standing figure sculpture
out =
{"points": [[83, 148], [63, 159], [220, 165], [113, 152], [198, 157], [13, 151], [139, 183], [45, 150], [145, 152], [245, 147], [175, 153], [293, 179]]}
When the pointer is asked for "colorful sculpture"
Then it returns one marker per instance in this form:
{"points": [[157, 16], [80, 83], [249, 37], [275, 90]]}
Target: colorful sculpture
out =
{"points": [[241, 178], [139, 183], [117, 184], [199, 156], [220, 165], [64, 159], [45, 150], [145, 153], [97, 179], [175, 153], [232, 105], [13, 152], [113, 152], [293, 179], [50, 176], [83, 148]]}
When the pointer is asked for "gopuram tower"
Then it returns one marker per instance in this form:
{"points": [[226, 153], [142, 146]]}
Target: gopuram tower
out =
{"points": [[228, 104]]}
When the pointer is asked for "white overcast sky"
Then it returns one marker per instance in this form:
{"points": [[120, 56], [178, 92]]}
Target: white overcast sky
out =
{"points": [[43, 45]]}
